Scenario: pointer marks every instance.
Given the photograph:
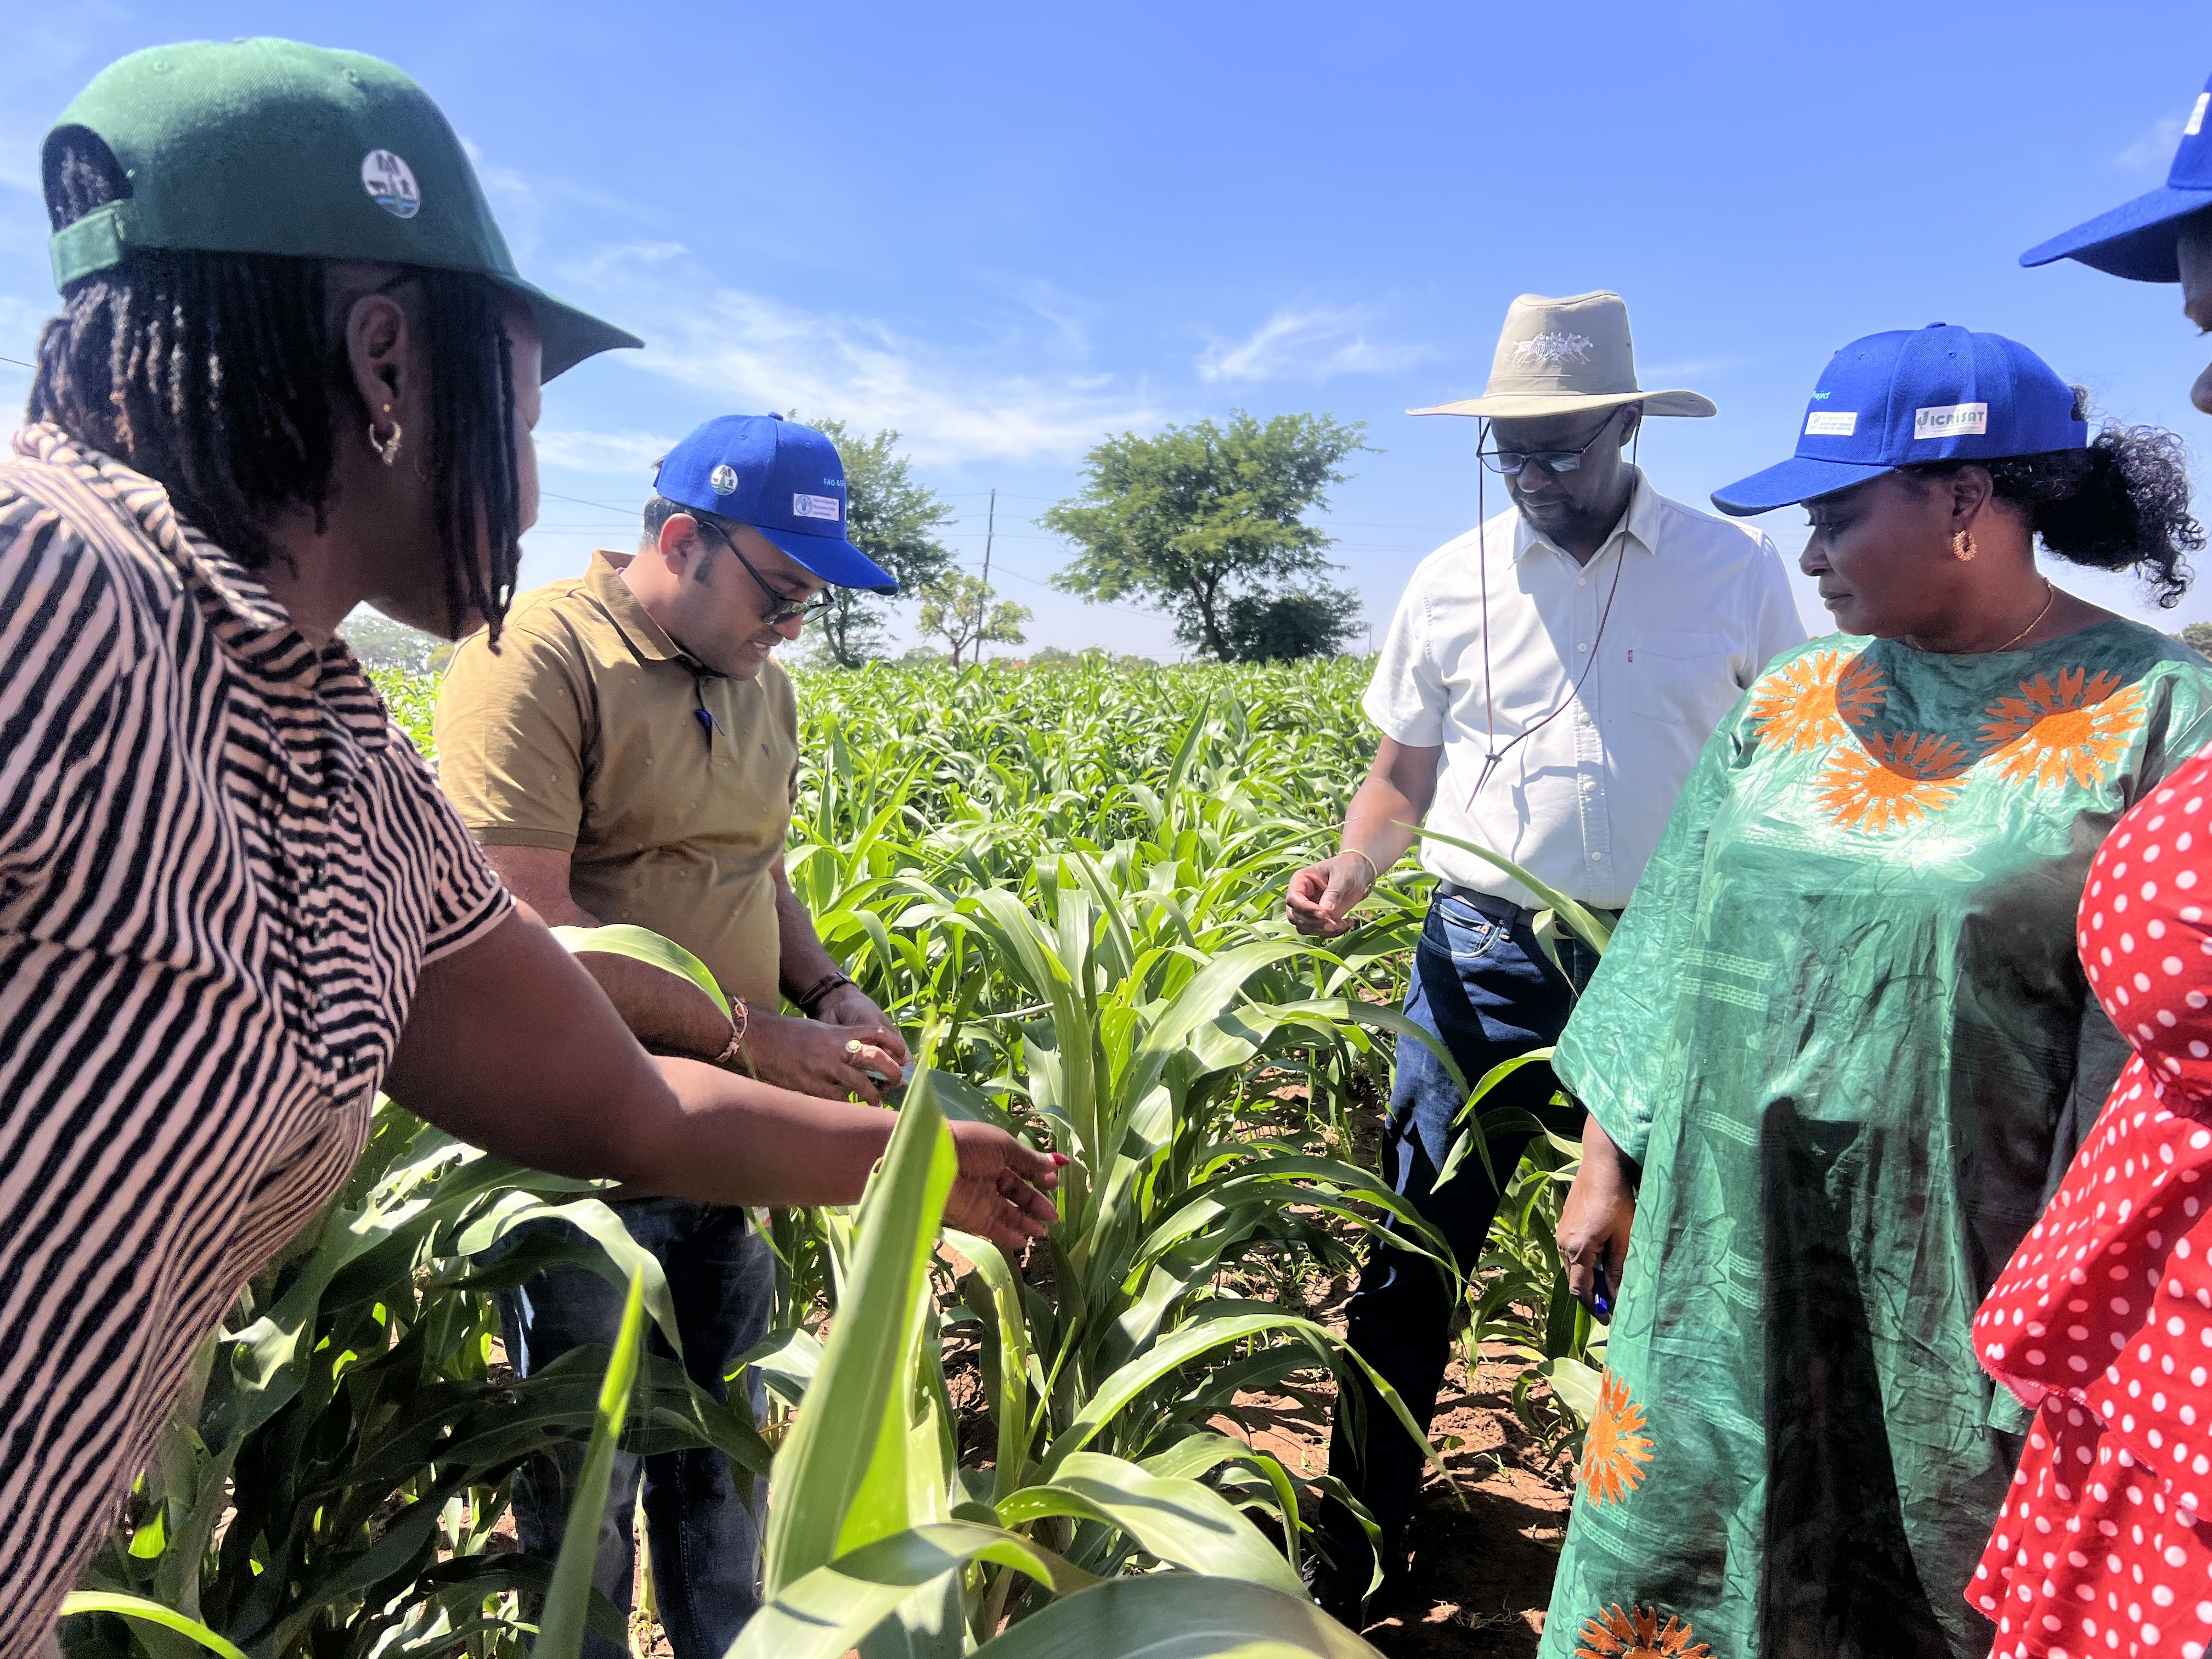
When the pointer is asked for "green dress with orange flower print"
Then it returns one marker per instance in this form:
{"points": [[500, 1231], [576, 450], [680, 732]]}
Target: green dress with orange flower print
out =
{"points": [[1843, 1029]]}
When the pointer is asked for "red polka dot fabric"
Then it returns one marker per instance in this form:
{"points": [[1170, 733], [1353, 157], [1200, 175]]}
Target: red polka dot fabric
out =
{"points": [[2103, 1317]]}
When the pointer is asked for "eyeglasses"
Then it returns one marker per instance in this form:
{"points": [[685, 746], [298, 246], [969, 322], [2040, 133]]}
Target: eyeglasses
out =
{"points": [[1508, 462], [781, 607]]}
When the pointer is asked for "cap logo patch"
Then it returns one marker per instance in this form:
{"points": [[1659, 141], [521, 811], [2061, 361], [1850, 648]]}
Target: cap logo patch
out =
{"points": [[2197, 115], [390, 182], [1553, 349], [724, 479], [1831, 423], [1952, 420], [815, 506]]}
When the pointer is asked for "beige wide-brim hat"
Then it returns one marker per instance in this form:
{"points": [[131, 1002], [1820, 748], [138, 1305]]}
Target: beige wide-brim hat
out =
{"points": [[1559, 357]]}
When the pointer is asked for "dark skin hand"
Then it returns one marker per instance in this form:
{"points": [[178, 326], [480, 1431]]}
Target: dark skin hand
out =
{"points": [[1595, 1222], [1395, 795], [509, 1044], [671, 1015]]}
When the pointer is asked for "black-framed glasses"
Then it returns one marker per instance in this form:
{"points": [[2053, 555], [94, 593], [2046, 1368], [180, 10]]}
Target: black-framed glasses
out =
{"points": [[1508, 462], [781, 607]]}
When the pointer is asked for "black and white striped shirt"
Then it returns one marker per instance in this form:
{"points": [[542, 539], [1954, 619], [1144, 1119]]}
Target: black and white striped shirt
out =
{"points": [[222, 869]]}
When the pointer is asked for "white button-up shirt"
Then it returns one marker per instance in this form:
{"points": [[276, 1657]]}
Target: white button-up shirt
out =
{"points": [[1698, 607]]}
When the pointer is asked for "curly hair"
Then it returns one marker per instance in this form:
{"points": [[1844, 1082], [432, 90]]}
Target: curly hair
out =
{"points": [[2120, 504], [219, 376]]}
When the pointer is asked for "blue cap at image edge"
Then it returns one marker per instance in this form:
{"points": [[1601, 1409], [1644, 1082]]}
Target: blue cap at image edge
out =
{"points": [[1938, 394], [2139, 240], [785, 480]]}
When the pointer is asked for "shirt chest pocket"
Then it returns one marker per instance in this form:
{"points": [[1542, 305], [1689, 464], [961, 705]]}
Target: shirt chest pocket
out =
{"points": [[1681, 677]]}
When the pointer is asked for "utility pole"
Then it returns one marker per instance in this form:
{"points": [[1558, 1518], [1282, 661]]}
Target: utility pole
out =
{"points": [[983, 599]]}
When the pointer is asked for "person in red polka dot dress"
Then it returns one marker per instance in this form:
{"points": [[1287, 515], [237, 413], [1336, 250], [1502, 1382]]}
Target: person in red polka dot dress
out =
{"points": [[2103, 1318]]}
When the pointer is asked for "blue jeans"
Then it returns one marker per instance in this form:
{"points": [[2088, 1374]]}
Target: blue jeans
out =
{"points": [[1481, 984], [702, 1516]]}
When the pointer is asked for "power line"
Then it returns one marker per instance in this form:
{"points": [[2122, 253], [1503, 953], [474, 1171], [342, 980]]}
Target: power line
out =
{"points": [[554, 496]]}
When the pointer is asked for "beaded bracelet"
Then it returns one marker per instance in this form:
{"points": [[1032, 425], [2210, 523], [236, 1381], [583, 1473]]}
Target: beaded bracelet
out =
{"points": [[740, 1019]]}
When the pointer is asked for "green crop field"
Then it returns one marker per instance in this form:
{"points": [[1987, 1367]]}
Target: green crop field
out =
{"points": [[1067, 885]]}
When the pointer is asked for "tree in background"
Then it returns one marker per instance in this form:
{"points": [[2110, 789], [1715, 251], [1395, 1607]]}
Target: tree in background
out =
{"points": [[892, 519], [2197, 636], [1312, 621], [380, 642], [1199, 517], [959, 610]]}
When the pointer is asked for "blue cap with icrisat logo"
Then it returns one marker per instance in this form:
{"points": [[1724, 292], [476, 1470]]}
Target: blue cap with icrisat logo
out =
{"points": [[1938, 394], [785, 480], [2140, 239]]}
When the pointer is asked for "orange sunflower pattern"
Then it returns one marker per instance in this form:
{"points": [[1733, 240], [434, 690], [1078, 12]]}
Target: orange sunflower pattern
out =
{"points": [[1614, 1451], [1816, 699], [1898, 779], [2078, 728], [1637, 1633]]}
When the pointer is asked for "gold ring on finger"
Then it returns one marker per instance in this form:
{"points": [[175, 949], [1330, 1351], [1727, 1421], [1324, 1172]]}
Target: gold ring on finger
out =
{"points": [[853, 1045]]}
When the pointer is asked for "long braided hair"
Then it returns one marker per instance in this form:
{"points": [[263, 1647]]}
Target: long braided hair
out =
{"points": [[218, 376]]}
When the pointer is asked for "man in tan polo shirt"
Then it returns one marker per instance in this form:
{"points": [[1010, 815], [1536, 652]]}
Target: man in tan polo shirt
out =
{"points": [[629, 756]]}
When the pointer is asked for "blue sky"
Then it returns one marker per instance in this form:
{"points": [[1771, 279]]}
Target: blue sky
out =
{"points": [[1008, 231]]}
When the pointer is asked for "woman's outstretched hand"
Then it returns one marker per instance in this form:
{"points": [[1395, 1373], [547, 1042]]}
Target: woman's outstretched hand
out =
{"points": [[1000, 1191], [1593, 1224]]}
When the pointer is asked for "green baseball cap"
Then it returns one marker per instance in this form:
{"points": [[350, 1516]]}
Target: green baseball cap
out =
{"points": [[272, 147]]}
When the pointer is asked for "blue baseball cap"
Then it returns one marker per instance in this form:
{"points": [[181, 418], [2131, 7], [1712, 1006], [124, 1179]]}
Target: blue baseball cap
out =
{"points": [[1938, 394], [2138, 240], [785, 480]]}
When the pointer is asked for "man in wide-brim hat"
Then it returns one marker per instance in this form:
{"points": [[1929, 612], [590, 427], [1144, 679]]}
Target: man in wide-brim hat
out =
{"points": [[1545, 687]]}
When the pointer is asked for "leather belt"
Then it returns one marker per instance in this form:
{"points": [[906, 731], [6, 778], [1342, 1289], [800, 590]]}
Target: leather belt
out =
{"points": [[1489, 904], [1504, 910]]}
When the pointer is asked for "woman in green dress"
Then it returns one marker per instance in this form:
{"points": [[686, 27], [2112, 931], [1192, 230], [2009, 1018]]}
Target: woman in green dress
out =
{"points": [[1840, 1046]]}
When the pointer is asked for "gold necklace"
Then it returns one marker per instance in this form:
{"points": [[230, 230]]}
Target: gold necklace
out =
{"points": [[2049, 598]]}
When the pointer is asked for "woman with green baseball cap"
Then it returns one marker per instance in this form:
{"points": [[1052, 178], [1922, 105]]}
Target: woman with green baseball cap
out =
{"points": [[294, 371]]}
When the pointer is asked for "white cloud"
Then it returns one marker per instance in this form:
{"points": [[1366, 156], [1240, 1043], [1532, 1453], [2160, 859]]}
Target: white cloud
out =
{"points": [[1070, 314], [950, 406], [1305, 345], [625, 455], [610, 263], [1027, 391], [2153, 152]]}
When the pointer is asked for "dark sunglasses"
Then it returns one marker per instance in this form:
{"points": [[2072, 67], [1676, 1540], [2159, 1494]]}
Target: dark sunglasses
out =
{"points": [[1508, 462], [781, 607]]}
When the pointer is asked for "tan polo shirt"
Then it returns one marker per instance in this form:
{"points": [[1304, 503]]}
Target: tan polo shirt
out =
{"points": [[668, 784]]}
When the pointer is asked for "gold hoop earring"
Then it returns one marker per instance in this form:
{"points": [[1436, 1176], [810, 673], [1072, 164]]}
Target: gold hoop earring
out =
{"points": [[1962, 545], [386, 447]]}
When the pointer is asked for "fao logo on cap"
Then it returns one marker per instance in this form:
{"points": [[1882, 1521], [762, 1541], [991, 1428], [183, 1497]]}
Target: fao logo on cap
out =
{"points": [[724, 479], [390, 182]]}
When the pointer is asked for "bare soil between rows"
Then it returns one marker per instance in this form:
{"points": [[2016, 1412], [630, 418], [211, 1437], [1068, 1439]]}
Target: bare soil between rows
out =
{"points": [[1483, 1545]]}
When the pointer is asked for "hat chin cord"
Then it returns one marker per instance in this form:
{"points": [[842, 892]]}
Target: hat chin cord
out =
{"points": [[1494, 756]]}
